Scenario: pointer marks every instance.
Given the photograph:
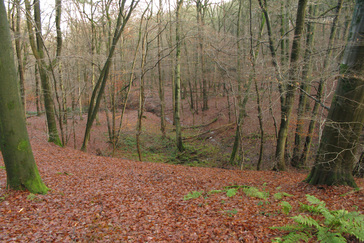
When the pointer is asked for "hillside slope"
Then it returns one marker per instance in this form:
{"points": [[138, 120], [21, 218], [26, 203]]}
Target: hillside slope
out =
{"points": [[102, 199]]}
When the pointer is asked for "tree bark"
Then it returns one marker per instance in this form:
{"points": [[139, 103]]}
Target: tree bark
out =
{"points": [[306, 76], [18, 48], [37, 49], [21, 170], [160, 74], [177, 83], [287, 105], [321, 87], [335, 159], [200, 7], [142, 81]]}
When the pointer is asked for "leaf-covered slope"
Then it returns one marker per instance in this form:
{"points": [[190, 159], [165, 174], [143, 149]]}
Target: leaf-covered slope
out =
{"points": [[112, 200]]}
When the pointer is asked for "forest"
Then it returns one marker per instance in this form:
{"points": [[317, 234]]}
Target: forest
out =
{"points": [[182, 121]]}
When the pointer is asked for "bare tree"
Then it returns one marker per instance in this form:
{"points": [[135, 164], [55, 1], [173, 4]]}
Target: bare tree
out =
{"points": [[124, 14]]}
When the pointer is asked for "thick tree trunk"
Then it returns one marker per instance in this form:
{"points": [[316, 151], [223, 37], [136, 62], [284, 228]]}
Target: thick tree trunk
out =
{"points": [[335, 159], [21, 170]]}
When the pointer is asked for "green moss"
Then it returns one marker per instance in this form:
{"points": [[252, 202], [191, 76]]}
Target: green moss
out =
{"points": [[11, 132], [36, 186], [23, 146], [11, 105], [55, 139]]}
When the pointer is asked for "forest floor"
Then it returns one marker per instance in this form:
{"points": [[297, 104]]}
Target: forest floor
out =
{"points": [[104, 199]]}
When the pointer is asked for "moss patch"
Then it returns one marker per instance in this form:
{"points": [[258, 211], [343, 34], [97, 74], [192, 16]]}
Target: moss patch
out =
{"points": [[23, 146], [11, 105]]}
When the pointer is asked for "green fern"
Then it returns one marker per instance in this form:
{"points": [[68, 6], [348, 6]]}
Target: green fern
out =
{"points": [[325, 236], [290, 227], [294, 237], [231, 192], [254, 192], [192, 195], [306, 221], [335, 226], [286, 207]]}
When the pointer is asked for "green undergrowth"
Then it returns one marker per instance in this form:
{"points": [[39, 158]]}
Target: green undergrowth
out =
{"points": [[156, 148], [324, 225], [231, 191], [313, 221]]}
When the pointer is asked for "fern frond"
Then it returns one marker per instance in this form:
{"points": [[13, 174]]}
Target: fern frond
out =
{"points": [[294, 237], [231, 192], [350, 223], [325, 236], [336, 224], [286, 207], [358, 233], [290, 227], [287, 194], [254, 192], [305, 220], [309, 208], [314, 200]]}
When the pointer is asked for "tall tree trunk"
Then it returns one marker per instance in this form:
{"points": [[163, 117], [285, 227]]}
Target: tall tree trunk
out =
{"points": [[321, 87], [37, 49], [21, 170], [335, 159], [253, 58], [200, 7], [304, 86], [142, 82], [18, 49], [98, 91], [241, 108], [131, 77], [177, 83], [160, 74], [37, 90], [63, 105], [287, 105], [263, 7]]}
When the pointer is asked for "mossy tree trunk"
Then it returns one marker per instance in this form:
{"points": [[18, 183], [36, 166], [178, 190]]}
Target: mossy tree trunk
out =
{"points": [[144, 53], [21, 170], [38, 52], [321, 87], [305, 88], [287, 105], [18, 50], [160, 73], [177, 83], [335, 160]]}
